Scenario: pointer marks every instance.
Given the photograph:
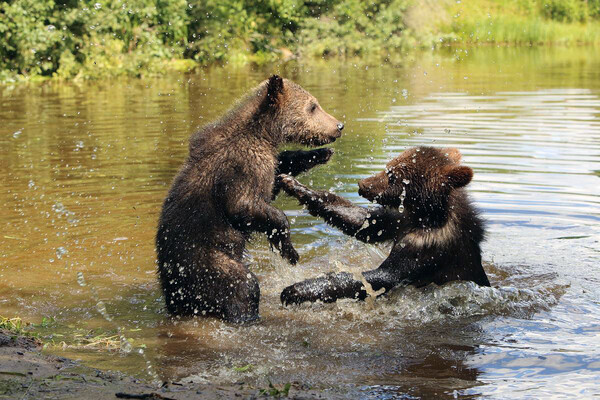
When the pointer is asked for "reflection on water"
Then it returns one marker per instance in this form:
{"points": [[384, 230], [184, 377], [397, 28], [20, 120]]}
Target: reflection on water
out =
{"points": [[85, 168]]}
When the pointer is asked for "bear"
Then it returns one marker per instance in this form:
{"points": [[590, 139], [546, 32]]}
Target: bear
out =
{"points": [[222, 194], [424, 210]]}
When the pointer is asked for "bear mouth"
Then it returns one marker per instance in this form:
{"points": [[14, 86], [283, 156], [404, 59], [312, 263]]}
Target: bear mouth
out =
{"points": [[372, 197], [320, 142]]}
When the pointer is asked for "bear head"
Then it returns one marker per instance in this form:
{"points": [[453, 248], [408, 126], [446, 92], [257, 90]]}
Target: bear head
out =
{"points": [[296, 116], [420, 180]]}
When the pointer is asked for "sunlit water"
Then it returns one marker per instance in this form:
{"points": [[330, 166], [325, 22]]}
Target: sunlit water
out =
{"points": [[86, 166]]}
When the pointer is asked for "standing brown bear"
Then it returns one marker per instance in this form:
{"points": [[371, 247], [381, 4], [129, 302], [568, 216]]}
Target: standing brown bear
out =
{"points": [[223, 192], [436, 231]]}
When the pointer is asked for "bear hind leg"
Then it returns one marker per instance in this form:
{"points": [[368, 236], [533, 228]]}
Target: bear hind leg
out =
{"points": [[237, 293]]}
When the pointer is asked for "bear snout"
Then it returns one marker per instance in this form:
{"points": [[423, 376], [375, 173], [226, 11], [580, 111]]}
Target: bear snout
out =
{"points": [[364, 190], [340, 126], [372, 187]]}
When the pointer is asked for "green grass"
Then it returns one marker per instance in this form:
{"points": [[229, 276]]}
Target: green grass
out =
{"points": [[523, 31], [516, 22], [14, 325]]}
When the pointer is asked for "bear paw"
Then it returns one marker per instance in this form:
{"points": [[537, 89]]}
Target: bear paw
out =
{"points": [[291, 295]]}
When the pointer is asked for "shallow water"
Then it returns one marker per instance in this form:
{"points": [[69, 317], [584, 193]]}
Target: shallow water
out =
{"points": [[86, 166]]}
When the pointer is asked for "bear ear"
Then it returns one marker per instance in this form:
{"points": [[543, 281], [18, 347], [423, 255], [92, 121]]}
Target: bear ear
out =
{"points": [[453, 154], [274, 88], [458, 176]]}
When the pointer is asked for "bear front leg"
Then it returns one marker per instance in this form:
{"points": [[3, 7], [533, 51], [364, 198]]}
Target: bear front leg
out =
{"points": [[259, 216], [295, 162], [247, 211], [299, 161], [278, 234], [327, 289], [367, 225], [336, 286]]}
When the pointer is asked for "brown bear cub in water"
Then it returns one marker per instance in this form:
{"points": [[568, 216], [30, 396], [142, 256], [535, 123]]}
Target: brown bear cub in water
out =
{"points": [[436, 231], [223, 193]]}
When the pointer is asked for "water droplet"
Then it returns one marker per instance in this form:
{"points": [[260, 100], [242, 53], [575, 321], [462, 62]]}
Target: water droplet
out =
{"points": [[17, 133], [125, 345], [101, 307], [80, 279], [60, 251]]}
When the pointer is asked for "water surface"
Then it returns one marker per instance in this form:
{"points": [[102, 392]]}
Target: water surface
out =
{"points": [[85, 167]]}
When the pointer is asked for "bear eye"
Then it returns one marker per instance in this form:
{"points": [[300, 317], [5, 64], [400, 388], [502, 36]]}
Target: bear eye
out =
{"points": [[313, 108]]}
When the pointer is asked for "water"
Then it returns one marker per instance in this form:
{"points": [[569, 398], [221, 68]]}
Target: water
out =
{"points": [[85, 167]]}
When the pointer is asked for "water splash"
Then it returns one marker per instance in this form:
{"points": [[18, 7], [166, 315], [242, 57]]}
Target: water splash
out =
{"points": [[357, 274], [125, 344]]}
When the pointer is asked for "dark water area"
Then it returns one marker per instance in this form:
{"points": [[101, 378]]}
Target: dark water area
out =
{"points": [[85, 167]]}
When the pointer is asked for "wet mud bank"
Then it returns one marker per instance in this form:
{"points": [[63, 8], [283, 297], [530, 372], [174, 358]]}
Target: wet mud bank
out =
{"points": [[27, 373]]}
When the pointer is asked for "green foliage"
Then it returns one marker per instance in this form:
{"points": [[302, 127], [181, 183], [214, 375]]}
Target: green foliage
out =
{"points": [[565, 10], [355, 27], [222, 28], [93, 38], [274, 391], [90, 38], [532, 22], [245, 368], [14, 325], [594, 8]]}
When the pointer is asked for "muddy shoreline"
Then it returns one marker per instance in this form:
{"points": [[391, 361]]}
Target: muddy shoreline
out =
{"points": [[27, 373]]}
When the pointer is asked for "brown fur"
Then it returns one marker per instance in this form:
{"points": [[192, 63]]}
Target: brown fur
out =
{"points": [[222, 194], [426, 213]]}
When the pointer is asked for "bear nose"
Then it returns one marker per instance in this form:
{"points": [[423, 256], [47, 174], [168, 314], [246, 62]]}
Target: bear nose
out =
{"points": [[340, 126], [362, 188]]}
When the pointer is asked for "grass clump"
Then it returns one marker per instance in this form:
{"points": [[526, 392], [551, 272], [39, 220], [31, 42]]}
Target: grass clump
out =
{"points": [[14, 325], [274, 391], [520, 22]]}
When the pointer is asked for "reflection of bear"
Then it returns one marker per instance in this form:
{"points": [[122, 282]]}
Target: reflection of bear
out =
{"points": [[222, 194], [435, 229]]}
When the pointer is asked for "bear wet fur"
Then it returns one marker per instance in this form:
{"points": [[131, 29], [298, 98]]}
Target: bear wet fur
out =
{"points": [[222, 194], [426, 213]]}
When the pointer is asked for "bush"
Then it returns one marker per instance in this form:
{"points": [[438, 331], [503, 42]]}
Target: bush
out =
{"points": [[68, 37], [221, 28], [354, 27], [594, 8], [565, 10]]}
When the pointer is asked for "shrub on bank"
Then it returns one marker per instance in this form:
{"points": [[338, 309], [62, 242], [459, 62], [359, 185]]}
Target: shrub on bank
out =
{"points": [[92, 38]]}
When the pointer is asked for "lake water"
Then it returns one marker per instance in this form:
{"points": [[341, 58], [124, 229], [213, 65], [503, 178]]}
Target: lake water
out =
{"points": [[85, 167]]}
